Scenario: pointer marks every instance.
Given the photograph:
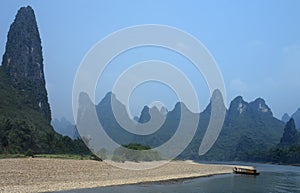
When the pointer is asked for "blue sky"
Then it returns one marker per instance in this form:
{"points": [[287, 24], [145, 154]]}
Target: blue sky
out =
{"points": [[255, 43]]}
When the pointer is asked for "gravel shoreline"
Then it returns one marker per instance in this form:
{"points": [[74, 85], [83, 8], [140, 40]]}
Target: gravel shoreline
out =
{"points": [[48, 175]]}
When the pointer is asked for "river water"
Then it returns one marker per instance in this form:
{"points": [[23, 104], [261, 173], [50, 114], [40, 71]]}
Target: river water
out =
{"points": [[272, 179]]}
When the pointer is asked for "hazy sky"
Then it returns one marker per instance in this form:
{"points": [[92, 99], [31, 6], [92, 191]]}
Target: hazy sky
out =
{"points": [[255, 43]]}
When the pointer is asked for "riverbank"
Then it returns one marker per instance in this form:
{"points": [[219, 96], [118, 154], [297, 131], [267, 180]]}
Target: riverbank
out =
{"points": [[47, 175]]}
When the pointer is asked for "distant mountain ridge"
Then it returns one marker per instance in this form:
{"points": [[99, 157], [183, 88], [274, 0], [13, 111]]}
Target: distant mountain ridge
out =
{"points": [[285, 118], [248, 128], [65, 128]]}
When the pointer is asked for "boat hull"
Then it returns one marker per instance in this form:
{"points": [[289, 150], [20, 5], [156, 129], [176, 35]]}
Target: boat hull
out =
{"points": [[241, 170]]}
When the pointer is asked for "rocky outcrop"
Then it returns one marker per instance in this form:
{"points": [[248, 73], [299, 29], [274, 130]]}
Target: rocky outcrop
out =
{"points": [[23, 61]]}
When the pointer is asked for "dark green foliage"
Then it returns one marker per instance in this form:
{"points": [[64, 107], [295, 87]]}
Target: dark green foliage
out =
{"points": [[23, 128], [284, 155], [134, 152], [136, 146], [248, 149], [22, 137], [29, 153]]}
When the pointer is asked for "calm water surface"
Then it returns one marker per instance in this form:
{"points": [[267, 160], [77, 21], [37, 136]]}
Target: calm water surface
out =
{"points": [[272, 178]]}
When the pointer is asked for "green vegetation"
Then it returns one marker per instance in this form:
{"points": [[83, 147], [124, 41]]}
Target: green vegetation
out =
{"points": [[22, 136], [4, 156], [52, 156], [24, 130], [63, 156], [136, 146], [288, 150], [285, 155], [135, 152]]}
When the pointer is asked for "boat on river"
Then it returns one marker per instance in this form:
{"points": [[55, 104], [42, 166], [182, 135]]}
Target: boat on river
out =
{"points": [[245, 170]]}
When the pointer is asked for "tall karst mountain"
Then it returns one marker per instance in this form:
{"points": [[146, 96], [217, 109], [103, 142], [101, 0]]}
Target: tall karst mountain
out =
{"points": [[23, 61], [24, 109]]}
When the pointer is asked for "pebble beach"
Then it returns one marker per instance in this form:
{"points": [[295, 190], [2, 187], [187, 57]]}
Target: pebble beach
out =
{"points": [[51, 175]]}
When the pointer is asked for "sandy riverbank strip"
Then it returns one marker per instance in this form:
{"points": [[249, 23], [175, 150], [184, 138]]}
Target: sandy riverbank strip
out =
{"points": [[44, 175]]}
